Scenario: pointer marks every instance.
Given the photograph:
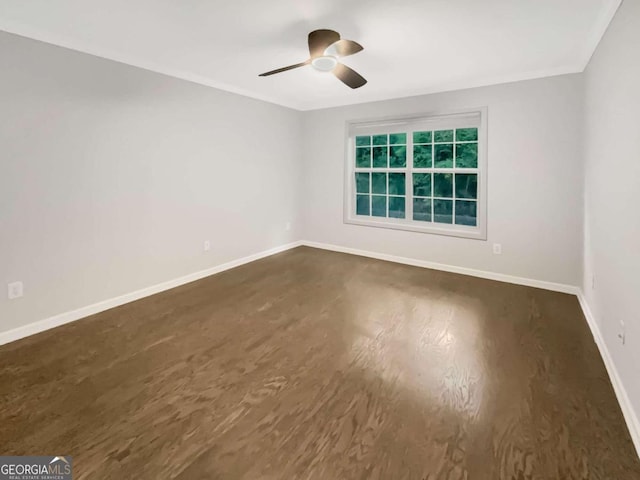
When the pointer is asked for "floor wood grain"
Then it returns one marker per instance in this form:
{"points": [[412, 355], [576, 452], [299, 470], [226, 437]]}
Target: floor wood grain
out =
{"points": [[319, 365]]}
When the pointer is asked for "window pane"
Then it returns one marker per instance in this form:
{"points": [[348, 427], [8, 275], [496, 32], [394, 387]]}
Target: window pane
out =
{"points": [[398, 157], [396, 184], [363, 141], [442, 185], [379, 206], [380, 139], [466, 213], [362, 182], [422, 209], [380, 157], [421, 137], [444, 156], [422, 184], [398, 139], [443, 136], [422, 156], [467, 155], [466, 185], [362, 204], [443, 211], [379, 183], [466, 134], [396, 207], [363, 157]]}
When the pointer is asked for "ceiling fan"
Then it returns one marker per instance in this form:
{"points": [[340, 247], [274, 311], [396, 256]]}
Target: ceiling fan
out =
{"points": [[325, 48]]}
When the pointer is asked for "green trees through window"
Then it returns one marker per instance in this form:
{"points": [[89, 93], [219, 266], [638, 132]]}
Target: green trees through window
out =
{"points": [[421, 176], [380, 191]]}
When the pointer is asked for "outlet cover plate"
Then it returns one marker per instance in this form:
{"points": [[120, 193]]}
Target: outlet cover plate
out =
{"points": [[15, 290]]}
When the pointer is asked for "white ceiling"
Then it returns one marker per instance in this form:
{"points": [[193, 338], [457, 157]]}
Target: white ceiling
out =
{"points": [[411, 46]]}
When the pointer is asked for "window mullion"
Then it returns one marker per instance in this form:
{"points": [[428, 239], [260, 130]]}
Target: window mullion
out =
{"points": [[371, 177], [453, 180], [408, 205]]}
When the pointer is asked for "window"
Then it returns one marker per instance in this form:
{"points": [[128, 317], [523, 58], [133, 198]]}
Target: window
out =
{"points": [[425, 174]]}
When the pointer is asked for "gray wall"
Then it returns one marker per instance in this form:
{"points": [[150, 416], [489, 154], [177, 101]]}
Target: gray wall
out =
{"points": [[111, 178], [612, 192], [534, 181]]}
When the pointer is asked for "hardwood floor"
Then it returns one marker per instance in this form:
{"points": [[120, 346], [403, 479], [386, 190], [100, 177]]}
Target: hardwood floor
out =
{"points": [[318, 365]]}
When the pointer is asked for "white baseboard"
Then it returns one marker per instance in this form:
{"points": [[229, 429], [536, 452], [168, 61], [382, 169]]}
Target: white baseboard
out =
{"points": [[630, 416], [67, 317], [500, 277]]}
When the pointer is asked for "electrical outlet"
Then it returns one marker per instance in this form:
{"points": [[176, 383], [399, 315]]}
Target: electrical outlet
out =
{"points": [[287, 226], [15, 290], [207, 245], [622, 334], [497, 249]]}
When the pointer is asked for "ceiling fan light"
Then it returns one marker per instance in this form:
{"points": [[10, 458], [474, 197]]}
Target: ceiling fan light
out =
{"points": [[325, 63]]}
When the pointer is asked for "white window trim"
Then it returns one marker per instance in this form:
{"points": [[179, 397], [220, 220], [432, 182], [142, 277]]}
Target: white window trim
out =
{"points": [[401, 124]]}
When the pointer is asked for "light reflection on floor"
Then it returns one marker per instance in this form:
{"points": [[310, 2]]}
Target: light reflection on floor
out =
{"points": [[433, 352]]}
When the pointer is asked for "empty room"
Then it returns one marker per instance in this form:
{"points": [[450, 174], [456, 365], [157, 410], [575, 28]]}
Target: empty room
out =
{"points": [[320, 239]]}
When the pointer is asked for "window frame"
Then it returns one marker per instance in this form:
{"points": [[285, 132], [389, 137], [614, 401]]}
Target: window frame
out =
{"points": [[437, 120]]}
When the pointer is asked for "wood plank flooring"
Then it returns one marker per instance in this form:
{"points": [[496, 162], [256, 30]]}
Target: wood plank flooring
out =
{"points": [[318, 365]]}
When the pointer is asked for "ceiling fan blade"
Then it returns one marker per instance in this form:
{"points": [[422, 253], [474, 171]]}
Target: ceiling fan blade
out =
{"points": [[343, 48], [284, 69], [349, 77], [319, 40]]}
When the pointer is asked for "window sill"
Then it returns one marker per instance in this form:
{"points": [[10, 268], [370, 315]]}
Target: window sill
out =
{"points": [[474, 233]]}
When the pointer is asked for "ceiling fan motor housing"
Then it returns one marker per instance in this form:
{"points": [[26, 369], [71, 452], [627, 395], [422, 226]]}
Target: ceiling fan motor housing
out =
{"points": [[325, 63]]}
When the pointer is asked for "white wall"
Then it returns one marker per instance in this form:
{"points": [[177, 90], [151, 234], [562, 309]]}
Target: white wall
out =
{"points": [[111, 178], [612, 192], [534, 181]]}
